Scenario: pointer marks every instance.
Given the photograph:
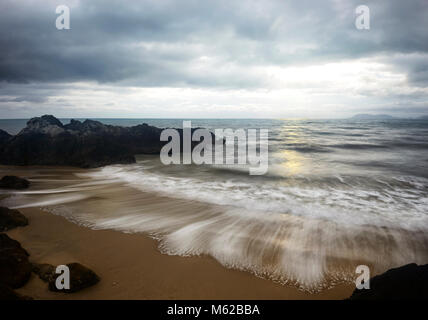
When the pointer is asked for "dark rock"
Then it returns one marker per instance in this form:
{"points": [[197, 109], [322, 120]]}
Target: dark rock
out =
{"points": [[6, 293], [45, 271], [44, 124], [46, 141], [15, 269], [406, 282], [13, 182], [80, 276], [10, 218], [4, 137]]}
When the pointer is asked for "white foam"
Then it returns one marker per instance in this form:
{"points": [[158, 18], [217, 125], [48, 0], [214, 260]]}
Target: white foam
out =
{"points": [[52, 201], [393, 207]]}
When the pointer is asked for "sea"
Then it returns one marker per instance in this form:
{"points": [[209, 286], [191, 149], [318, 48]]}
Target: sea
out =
{"points": [[337, 194]]}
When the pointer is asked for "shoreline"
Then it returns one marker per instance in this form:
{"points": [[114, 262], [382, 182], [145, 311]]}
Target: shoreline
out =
{"points": [[132, 267]]}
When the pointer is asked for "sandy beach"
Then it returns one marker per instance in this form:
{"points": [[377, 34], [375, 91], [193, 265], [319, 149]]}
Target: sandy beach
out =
{"points": [[131, 267], [124, 234]]}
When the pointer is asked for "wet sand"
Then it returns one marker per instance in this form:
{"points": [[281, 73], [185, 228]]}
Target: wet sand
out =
{"points": [[131, 267]]}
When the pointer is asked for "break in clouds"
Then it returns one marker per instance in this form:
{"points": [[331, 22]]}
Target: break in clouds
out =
{"points": [[217, 58]]}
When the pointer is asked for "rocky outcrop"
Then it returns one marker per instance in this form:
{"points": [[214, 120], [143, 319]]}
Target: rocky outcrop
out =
{"points": [[4, 137], [46, 141], [406, 282], [15, 269], [13, 182], [81, 277], [10, 218]]}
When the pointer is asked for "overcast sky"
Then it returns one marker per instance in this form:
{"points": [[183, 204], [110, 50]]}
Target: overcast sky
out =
{"points": [[213, 58]]}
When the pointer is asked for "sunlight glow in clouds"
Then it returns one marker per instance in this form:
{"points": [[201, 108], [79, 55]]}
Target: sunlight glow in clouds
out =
{"points": [[292, 92]]}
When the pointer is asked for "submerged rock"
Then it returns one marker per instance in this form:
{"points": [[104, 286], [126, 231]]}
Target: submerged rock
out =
{"points": [[14, 182], [15, 269], [406, 282], [81, 277], [10, 218]]}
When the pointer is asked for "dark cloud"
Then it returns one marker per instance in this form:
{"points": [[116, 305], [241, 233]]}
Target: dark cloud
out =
{"points": [[24, 99], [232, 54], [201, 43]]}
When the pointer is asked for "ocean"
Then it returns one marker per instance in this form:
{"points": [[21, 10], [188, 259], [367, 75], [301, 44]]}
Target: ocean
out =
{"points": [[338, 193]]}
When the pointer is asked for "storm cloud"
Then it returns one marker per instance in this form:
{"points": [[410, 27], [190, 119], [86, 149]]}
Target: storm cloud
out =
{"points": [[213, 46]]}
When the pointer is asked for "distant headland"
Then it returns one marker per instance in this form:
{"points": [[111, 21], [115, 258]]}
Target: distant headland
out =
{"points": [[366, 116]]}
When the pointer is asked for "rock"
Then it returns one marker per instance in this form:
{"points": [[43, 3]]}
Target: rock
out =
{"points": [[46, 141], [10, 218], [81, 277], [45, 271], [14, 182], [46, 124], [4, 137], [406, 282], [6, 293], [15, 269]]}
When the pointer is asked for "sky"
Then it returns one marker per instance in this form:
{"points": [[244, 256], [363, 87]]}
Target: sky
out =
{"points": [[213, 59]]}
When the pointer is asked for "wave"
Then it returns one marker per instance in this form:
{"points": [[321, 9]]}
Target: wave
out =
{"points": [[50, 202], [357, 146], [345, 199], [310, 232]]}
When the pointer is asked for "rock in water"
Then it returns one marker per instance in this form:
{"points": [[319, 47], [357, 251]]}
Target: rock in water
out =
{"points": [[10, 218], [406, 282], [46, 141], [13, 182], [81, 277], [15, 269]]}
